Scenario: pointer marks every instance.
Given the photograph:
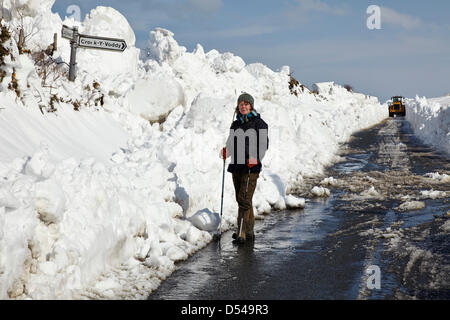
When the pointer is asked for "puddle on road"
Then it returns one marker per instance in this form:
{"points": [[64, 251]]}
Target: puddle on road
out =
{"points": [[288, 230], [353, 163]]}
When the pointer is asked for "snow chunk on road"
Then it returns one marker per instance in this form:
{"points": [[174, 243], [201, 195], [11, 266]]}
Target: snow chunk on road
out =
{"points": [[320, 191], [294, 202], [433, 194], [364, 195], [370, 193], [443, 178], [330, 181], [446, 226], [410, 205]]}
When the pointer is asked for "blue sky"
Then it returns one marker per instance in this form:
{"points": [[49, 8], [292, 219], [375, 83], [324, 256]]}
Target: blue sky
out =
{"points": [[321, 40]]}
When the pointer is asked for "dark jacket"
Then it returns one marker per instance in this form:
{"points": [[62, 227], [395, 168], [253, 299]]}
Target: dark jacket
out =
{"points": [[254, 132]]}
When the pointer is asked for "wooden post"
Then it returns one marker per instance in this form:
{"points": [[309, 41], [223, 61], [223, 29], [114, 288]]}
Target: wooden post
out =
{"points": [[55, 42], [21, 41]]}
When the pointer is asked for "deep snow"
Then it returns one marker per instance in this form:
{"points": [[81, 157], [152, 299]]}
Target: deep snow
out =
{"points": [[101, 202], [430, 119]]}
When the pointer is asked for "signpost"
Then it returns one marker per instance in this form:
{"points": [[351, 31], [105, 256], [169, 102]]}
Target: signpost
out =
{"points": [[66, 32], [73, 51], [88, 42], [101, 43]]}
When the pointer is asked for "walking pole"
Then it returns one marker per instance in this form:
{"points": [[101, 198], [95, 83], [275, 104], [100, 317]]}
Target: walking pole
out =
{"points": [[221, 198]]}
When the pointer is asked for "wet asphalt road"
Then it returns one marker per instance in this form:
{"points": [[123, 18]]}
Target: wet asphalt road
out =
{"points": [[324, 250]]}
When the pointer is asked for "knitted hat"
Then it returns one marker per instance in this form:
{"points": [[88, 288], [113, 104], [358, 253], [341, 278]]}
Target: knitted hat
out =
{"points": [[247, 98]]}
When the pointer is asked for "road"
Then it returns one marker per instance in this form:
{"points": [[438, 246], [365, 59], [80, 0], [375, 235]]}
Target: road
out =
{"points": [[385, 211]]}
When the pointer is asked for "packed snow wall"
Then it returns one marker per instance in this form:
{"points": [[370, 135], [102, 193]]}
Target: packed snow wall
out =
{"points": [[430, 119]]}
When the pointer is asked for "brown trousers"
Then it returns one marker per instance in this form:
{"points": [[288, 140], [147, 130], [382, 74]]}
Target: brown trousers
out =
{"points": [[244, 200]]}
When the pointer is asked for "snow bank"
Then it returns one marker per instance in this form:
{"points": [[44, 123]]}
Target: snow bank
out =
{"points": [[66, 133], [90, 199], [430, 119]]}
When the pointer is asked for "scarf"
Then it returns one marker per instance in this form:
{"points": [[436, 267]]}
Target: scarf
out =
{"points": [[244, 118]]}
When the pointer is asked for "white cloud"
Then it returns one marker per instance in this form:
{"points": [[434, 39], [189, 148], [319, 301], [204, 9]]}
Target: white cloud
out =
{"points": [[393, 17], [303, 8], [245, 31], [319, 6]]}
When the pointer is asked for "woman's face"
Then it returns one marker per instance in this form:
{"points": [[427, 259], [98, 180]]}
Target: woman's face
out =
{"points": [[244, 107]]}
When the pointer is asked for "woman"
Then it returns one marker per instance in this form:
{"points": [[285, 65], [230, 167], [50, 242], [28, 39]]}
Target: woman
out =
{"points": [[246, 145]]}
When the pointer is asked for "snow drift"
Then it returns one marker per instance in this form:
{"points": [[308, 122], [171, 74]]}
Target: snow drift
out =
{"points": [[96, 201], [430, 120]]}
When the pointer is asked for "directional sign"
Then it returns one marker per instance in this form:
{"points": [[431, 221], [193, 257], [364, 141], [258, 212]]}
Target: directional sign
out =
{"points": [[90, 42], [67, 32], [101, 43]]}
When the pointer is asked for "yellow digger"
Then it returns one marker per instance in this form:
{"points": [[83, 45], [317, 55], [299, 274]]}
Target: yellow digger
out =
{"points": [[397, 106]]}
